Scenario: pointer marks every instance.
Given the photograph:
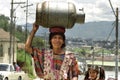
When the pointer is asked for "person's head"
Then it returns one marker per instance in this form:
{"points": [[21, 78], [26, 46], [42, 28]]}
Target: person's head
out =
{"points": [[57, 37], [14, 63], [95, 72]]}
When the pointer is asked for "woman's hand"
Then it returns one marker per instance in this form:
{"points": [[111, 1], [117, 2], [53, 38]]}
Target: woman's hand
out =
{"points": [[35, 27], [75, 78]]}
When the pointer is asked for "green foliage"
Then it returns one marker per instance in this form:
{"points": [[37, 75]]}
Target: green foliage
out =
{"points": [[24, 60], [38, 42], [4, 22], [19, 28], [20, 35]]}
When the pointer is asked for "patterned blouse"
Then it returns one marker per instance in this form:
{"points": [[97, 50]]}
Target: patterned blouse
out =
{"points": [[38, 57]]}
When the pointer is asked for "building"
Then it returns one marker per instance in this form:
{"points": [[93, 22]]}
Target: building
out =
{"points": [[5, 55]]}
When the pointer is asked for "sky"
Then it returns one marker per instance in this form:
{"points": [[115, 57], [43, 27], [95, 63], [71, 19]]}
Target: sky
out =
{"points": [[95, 10]]}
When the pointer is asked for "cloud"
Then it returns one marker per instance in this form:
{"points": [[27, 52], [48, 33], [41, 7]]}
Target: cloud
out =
{"points": [[95, 10], [99, 10], [4, 7]]}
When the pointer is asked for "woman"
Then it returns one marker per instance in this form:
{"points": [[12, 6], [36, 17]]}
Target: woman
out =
{"points": [[55, 63], [95, 73]]}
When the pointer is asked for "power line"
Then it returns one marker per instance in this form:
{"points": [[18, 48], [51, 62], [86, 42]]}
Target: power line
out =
{"points": [[117, 47], [112, 8], [110, 33], [26, 26]]}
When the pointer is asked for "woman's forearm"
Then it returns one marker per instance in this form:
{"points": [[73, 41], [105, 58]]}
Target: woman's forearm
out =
{"points": [[28, 43]]}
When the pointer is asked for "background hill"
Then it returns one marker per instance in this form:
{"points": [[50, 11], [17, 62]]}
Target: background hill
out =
{"points": [[95, 30]]}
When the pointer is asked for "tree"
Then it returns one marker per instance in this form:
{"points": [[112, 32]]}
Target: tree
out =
{"points": [[4, 22], [19, 28], [38, 42], [83, 52]]}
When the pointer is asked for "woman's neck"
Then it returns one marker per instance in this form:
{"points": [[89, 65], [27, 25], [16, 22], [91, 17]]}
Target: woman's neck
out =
{"points": [[58, 51]]}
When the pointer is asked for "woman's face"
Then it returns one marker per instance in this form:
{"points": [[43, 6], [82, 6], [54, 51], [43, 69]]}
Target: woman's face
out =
{"points": [[92, 74], [57, 41]]}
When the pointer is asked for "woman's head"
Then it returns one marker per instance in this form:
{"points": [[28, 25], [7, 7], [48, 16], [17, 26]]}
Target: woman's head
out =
{"points": [[57, 37]]}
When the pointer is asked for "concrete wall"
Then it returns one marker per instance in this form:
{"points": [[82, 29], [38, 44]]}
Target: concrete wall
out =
{"points": [[6, 53]]}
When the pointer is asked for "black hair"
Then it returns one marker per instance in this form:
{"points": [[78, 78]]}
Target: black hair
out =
{"points": [[51, 36], [100, 71]]}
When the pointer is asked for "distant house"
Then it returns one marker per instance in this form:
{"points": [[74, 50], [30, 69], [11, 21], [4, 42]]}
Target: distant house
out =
{"points": [[5, 55]]}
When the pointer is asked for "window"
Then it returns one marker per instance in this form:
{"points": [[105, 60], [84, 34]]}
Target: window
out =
{"points": [[1, 50], [3, 67]]}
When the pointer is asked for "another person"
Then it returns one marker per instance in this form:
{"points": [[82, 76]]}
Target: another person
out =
{"points": [[55, 63], [95, 73], [16, 67]]}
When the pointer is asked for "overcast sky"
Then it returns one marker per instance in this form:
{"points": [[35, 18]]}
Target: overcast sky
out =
{"points": [[95, 10]]}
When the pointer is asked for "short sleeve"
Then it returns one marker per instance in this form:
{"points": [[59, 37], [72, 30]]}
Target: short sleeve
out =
{"points": [[38, 58]]}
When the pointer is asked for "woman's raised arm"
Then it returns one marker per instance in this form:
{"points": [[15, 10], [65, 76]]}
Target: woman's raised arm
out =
{"points": [[28, 43]]}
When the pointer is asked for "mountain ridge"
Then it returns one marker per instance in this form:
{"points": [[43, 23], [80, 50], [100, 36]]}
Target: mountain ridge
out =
{"points": [[90, 30]]}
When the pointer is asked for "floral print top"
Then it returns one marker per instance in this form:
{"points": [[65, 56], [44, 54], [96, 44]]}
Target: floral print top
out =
{"points": [[52, 64]]}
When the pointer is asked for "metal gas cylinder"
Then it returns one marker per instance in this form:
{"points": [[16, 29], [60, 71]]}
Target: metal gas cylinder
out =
{"points": [[58, 13]]}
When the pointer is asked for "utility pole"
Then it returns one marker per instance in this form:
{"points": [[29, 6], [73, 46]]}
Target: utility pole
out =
{"points": [[102, 57], [117, 46], [14, 38], [11, 26], [11, 49], [26, 25], [93, 55]]}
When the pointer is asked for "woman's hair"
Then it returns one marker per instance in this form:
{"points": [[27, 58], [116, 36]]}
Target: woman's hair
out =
{"points": [[99, 70], [102, 73], [53, 34]]}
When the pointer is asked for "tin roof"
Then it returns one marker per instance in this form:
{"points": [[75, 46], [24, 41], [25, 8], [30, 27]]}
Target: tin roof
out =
{"points": [[5, 36]]}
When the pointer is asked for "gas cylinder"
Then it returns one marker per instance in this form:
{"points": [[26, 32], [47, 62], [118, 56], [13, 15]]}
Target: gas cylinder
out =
{"points": [[58, 13]]}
